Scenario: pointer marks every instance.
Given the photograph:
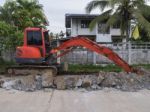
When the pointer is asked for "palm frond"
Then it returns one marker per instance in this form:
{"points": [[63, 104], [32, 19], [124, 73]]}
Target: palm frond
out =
{"points": [[138, 2], [142, 22], [102, 4], [104, 16], [113, 3], [113, 19], [144, 9]]}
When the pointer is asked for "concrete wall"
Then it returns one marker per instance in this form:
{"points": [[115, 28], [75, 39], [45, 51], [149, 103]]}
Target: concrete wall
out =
{"points": [[140, 57], [8, 55], [136, 55]]}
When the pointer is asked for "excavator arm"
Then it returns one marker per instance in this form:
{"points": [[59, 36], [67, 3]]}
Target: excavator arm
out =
{"points": [[85, 42]]}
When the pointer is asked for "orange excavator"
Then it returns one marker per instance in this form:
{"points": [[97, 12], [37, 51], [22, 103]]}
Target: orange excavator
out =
{"points": [[37, 52]]}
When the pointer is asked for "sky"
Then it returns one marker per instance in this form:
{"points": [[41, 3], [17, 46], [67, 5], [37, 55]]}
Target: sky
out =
{"points": [[55, 11]]}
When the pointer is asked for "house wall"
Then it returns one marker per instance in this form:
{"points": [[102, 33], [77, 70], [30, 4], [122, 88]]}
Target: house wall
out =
{"points": [[103, 38], [107, 37], [114, 31], [77, 30]]}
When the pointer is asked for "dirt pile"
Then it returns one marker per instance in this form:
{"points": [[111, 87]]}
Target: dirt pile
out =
{"points": [[121, 81]]}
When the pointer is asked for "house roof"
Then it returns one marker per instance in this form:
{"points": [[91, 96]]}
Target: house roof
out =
{"points": [[68, 17], [81, 16]]}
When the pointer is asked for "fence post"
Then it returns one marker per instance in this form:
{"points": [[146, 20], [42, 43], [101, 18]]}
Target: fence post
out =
{"points": [[129, 53], [58, 53], [94, 58]]}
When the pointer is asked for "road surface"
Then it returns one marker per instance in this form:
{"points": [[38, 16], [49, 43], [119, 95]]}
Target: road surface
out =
{"points": [[75, 101]]}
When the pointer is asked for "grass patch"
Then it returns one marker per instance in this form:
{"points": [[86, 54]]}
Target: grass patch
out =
{"points": [[76, 68], [145, 66], [93, 68]]}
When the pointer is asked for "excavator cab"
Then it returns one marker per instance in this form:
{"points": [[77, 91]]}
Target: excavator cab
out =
{"points": [[35, 48]]}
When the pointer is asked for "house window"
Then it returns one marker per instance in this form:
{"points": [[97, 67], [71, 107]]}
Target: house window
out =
{"points": [[102, 29], [68, 32], [116, 26], [116, 39], [85, 23], [68, 24]]}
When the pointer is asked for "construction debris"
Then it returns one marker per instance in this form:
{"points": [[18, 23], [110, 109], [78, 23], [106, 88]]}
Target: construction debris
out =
{"points": [[121, 81]]}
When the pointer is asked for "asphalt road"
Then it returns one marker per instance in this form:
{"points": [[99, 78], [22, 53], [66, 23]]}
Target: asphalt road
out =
{"points": [[75, 101]]}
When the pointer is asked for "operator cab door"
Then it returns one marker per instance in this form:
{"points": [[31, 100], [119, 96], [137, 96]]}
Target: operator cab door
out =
{"points": [[34, 39], [47, 42]]}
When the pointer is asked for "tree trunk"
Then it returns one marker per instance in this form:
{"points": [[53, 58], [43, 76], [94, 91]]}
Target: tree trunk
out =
{"points": [[128, 31]]}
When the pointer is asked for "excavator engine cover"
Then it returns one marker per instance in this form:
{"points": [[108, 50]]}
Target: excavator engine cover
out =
{"points": [[28, 55]]}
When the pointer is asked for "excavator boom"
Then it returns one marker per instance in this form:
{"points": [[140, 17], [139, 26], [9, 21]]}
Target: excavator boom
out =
{"points": [[85, 42]]}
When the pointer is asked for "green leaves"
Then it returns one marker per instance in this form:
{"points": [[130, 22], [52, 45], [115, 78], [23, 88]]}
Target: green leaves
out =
{"points": [[122, 12], [10, 38], [142, 22], [102, 4], [22, 13], [100, 18], [15, 16]]}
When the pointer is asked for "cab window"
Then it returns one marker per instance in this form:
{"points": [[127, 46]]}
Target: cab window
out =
{"points": [[34, 38], [46, 37]]}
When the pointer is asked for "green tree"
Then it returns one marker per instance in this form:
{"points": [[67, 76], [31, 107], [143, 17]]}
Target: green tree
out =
{"points": [[30, 13], [7, 11], [10, 38], [15, 16], [23, 13], [121, 12]]}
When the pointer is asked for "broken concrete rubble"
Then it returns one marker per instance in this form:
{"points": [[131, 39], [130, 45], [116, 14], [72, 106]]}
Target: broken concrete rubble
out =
{"points": [[60, 83], [27, 83], [121, 81]]}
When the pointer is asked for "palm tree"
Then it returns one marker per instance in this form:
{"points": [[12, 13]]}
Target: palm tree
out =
{"points": [[33, 9], [22, 13], [6, 12], [121, 12], [15, 15]]}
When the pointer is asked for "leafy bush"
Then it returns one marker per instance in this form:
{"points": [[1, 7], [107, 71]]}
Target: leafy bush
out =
{"points": [[10, 37]]}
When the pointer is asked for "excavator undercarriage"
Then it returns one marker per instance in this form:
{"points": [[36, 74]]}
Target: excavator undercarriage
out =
{"points": [[31, 70]]}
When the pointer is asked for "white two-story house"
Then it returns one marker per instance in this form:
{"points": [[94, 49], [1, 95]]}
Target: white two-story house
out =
{"points": [[78, 25]]}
